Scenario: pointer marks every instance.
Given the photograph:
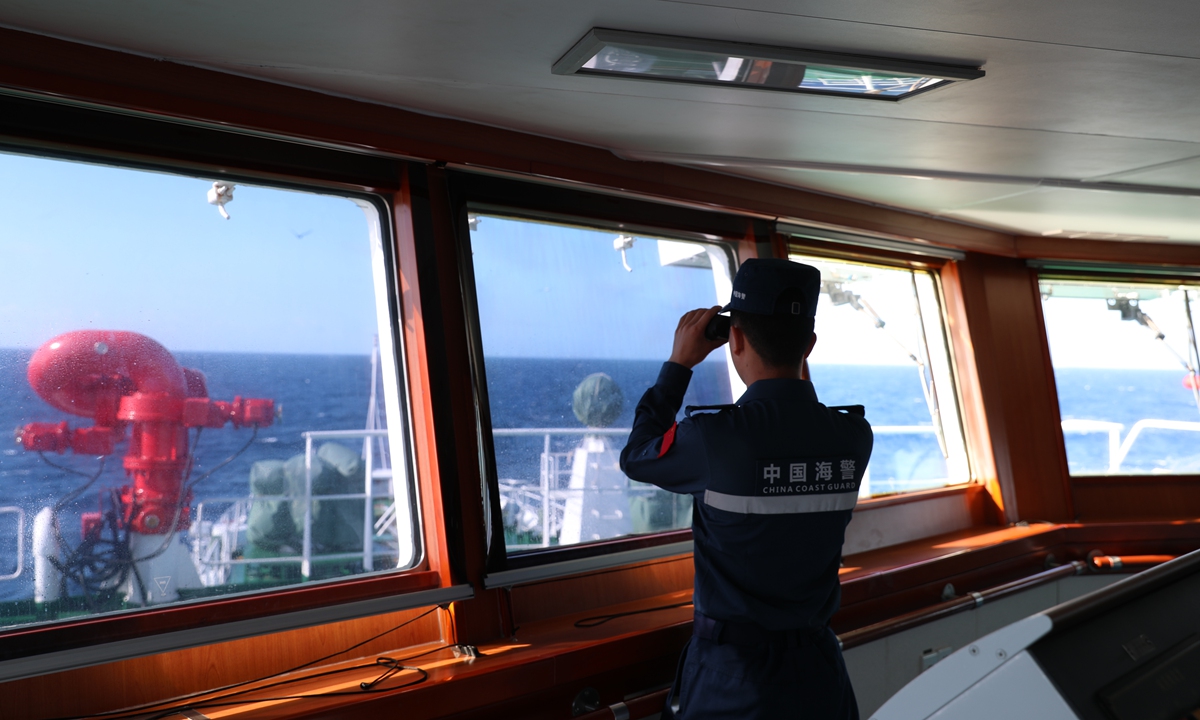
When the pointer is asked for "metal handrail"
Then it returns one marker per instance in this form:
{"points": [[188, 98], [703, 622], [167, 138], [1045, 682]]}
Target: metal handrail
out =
{"points": [[547, 490], [518, 432], [331, 434], [521, 432], [1141, 425], [1118, 449], [368, 496], [904, 429], [20, 513], [1113, 429], [967, 601], [368, 557]]}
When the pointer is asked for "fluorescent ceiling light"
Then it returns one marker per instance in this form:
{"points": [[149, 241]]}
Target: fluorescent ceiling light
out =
{"points": [[644, 56]]}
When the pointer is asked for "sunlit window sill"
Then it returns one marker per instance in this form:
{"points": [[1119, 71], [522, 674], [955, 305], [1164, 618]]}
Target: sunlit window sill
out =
{"points": [[876, 503]]}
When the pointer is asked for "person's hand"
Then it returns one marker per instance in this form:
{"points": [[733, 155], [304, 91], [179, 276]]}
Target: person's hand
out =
{"points": [[691, 347]]}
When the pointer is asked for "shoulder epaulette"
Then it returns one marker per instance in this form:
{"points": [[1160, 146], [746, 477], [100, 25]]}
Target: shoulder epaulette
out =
{"points": [[699, 408], [858, 410]]}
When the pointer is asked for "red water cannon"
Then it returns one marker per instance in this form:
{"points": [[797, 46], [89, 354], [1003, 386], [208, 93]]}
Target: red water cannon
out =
{"points": [[124, 379], [58, 438]]}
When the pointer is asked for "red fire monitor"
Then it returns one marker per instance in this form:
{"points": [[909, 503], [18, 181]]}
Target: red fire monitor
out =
{"points": [[126, 380]]}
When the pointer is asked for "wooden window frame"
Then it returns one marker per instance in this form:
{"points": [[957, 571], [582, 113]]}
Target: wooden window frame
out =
{"points": [[72, 132], [483, 191], [890, 516], [1125, 497], [472, 191]]}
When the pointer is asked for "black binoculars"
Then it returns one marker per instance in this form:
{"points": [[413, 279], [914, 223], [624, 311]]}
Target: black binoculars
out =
{"points": [[717, 328]]}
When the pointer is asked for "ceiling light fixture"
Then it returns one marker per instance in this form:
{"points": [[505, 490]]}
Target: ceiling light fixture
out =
{"points": [[694, 61]]}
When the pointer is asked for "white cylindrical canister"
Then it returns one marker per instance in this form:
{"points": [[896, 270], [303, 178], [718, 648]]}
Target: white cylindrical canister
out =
{"points": [[47, 579]]}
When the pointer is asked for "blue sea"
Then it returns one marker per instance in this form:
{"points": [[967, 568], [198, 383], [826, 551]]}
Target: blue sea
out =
{"points": [[1126, 396], [331, 393]]}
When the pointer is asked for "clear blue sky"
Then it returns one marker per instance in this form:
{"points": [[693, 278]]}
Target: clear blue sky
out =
{"points": [[89, 246], [549, 291]]}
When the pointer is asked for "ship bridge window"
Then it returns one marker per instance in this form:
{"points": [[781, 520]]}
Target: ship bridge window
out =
{"points": [[881, 343], [575, 323], [204, 380], [1125, 365]]}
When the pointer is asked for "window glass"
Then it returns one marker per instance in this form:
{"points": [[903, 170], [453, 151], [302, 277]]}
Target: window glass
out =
{"points": [[881, 344], [576, 323], [1124, 358], [205, 391]]}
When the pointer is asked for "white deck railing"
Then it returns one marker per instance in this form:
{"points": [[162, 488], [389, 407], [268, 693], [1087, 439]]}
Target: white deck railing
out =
{"points": [[214, 555], [1118, 449], [549, 498], [549, 511], [20, 513], [217, 556]]}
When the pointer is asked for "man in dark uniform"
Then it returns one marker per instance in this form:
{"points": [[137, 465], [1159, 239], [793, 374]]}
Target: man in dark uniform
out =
{"points": [[774, 478]]}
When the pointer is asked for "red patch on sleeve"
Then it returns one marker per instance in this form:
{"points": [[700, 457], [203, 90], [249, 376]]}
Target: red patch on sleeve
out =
{"points": [[667, 440]]}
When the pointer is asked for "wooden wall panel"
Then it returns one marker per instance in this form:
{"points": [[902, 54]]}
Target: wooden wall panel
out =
{"points": [[412, 330], [1137, 253], [540, 601], [1137, 498], [897, 519], [156, 677], [435, 546], [776, 200], [1016, 384], [970, 393], [454, 410]]}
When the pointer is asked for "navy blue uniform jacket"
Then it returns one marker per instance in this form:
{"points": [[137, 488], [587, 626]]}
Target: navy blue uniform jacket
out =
{"points": [[774, 478]]}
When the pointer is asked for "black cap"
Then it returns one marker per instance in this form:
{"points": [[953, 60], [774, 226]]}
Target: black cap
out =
{"points": [[759, 283]]}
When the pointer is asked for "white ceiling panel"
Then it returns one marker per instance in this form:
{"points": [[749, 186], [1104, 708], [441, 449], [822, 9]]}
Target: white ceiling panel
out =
{"points": [[454, 42], [1049, 209], [1166, 27], [934, 196], [727, 122], [1025, 209], [366, 46], [1183, 173], [1104, 89]]}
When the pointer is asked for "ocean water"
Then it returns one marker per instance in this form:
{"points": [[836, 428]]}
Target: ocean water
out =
{"points": [[538, 393], [1126, 396], [332, 392]]}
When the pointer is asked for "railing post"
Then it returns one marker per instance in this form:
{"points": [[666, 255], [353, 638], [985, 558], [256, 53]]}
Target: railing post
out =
{"points": [[546, 470], [306, 552], [20, 513], [368, 508], [199, 545], [1127, 445], [1114, 449]]}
